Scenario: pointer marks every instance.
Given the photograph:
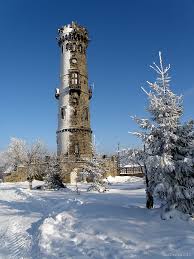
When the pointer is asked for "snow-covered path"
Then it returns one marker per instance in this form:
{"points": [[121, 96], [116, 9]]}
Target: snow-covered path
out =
{"points": [[22, 212], [115, 225]]}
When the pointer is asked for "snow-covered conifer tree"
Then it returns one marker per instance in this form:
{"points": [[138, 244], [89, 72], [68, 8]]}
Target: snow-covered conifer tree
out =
{"points": [[168, 145]]}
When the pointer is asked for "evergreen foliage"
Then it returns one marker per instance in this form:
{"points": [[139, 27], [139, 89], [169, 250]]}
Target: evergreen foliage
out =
{"points": [[168, 146]]}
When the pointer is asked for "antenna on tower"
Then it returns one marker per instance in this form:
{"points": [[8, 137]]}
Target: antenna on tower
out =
{"points": [[92, 86]]}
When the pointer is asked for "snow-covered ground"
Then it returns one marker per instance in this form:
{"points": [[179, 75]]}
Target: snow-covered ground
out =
{"points": [[113, 225]]}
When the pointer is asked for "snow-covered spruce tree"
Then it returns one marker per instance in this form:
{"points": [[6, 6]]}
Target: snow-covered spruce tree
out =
{"points": [[168, 146], [52, 179]]}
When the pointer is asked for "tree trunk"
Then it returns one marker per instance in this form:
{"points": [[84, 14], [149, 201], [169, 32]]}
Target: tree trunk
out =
{"points": [[150, 200]]}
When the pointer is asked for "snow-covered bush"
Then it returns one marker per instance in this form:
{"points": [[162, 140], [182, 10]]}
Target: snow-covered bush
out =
{"points": [[168, 146], [52, 179], [4, 163], [16, 152], [31, 156], [94, 171]]}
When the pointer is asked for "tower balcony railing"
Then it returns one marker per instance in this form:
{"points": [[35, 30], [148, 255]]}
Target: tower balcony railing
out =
{"points": [[75, 88]]}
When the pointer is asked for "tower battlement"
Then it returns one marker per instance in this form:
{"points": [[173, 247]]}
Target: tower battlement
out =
{"points": [[74, 35], [73, 25], [74, 133]]}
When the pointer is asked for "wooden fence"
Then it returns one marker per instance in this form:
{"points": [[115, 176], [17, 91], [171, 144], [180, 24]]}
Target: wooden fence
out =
{"points": [[131, 171]]}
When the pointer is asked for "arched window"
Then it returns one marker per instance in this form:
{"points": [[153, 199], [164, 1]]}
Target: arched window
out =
{"points": [[80, 48], [67, 46], [74, 78], [63, 112], [77, 150], [86, 114]]}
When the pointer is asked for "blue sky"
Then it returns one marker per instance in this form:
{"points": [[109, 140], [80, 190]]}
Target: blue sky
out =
{"points": [[125, 39]]}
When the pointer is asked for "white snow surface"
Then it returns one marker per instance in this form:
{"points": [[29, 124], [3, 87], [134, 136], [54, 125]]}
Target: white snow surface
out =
{"points": [[124, 179], [111, 225]]}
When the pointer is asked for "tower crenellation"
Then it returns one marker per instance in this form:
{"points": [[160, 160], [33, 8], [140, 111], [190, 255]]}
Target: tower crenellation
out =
{"points": [[74, 135]]}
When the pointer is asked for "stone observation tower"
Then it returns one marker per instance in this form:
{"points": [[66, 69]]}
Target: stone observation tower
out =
{"points": [[74, 135]]}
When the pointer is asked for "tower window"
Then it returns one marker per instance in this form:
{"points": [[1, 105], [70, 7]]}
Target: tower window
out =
{"points": [[80, 48], [62, 48], [74, 47], [75, 112], [86, 114], [63, 112], [77, 149], [74, 78], [73, 60]]}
